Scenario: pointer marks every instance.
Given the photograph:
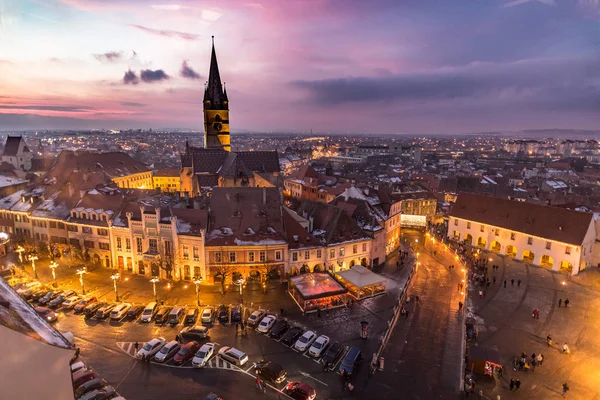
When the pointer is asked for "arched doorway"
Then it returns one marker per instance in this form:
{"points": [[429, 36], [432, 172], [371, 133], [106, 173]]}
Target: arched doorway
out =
{"points": [[566, 267], [481, 242], [469, 239], [318, 268], [364, 262], [218, 277], [511, 251], [254, 275], [304, 269], [528, 256], [236, 276], [106, 262], [352, 264], [187, 273], [547, 261], [96, 259], [496, 247], [141, 268], [154, 270]]}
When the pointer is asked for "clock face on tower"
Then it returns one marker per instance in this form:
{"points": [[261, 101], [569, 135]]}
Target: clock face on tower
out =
{"points": [[217, 126]]}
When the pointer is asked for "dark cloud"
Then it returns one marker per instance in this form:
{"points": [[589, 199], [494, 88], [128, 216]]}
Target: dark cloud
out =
{"points": [[130, 77], [47, 108], [167, 33], [539, 82], [188, 72], [149, 75], [132, 104], [111, 56]]}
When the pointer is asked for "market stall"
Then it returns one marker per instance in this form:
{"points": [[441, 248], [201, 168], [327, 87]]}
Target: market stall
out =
{"points": [[362, 282], [483, 361], [316, 291]]}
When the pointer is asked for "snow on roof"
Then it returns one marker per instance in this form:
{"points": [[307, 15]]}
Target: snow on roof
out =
{"points": [[361, 277], [21, 317], [261, 242], [10, 181], [183, 227], [93, 191], [117, 221], [557, 184]]}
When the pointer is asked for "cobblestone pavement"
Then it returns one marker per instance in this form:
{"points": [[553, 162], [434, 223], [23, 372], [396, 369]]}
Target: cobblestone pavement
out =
{"points": [[505, 323]]}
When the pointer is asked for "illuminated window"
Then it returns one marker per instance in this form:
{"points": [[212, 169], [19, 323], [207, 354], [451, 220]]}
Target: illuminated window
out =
{"points": [[232, 256], [332, 253], [342, 251], [568, 250], [513, 236], [119, 243], [153, 246], [278, 255], [529, 240], [127, 244], [262, 256], [355, 249], [186, 252], [319, 253], [455, 222], [481, 228], [307, 255], [196, 252], [468, 225], [218, 257], [364, 245], [295, 256], [251, 256], [138, 243], [548, 245]]}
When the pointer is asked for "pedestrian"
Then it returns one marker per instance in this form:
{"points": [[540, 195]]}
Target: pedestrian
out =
{"points": [[512, 384], [136, 346], [282, 311], [505, 283], [559, 303], [500, 371], [549, 340], [512, 282], [540, 359], [519, 283], [517, 384], [566, 303], [460, 305], [565, 389], [77, 353], [319, 312], [494, 279], [566, 349]]}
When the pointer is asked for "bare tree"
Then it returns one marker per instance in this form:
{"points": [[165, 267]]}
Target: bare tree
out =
{"points": [[223, 268]]}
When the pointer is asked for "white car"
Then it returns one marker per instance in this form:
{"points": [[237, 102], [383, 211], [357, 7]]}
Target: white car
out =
{"points": [[151, 348], [71, 301], [266, 324], [28, 286], [203, 355], [119, 311], [207, 315], [305, 340], [167, 351], [254, 319], [318, 346]]}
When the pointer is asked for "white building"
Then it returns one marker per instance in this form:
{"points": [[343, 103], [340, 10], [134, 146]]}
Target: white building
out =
{"points": [[551, 237], [17, 153]]}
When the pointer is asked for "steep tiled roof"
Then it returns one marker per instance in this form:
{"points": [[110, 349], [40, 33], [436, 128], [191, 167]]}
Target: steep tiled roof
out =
{"points": [[552, 223], [208, 160], [260, 161], [297, 236], [113, 164], [234, 167], [12, 146]]}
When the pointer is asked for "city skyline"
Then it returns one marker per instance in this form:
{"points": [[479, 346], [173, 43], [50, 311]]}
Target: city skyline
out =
{"points": [[328, 66]]}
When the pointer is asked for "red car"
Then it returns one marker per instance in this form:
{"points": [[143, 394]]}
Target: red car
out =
{"points": [[83, 303], [83, 376], [300, 391], [186, 352]]}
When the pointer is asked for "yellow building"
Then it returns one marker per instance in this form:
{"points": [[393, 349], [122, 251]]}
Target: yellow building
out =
{"points": [[141, 180], [167, 180]]}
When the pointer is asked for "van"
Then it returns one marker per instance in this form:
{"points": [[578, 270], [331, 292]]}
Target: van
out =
{"points": [[233, 355], [162, 314], [149, 312], [119, 311], [175, 315], [351, 360]]}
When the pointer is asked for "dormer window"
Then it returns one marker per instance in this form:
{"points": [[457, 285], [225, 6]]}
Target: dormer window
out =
{"points": [[94, 217], [84, 216]]}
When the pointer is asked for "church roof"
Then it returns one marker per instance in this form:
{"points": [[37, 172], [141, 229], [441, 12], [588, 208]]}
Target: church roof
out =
{"points": [[234, 167], [260, 161], [12, 146], [214, 96], [208, 160]]}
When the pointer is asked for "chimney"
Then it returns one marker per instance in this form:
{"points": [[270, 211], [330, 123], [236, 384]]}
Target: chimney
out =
{"points": [[310, 223], [346, 194], [264, 195], [71, 190]]}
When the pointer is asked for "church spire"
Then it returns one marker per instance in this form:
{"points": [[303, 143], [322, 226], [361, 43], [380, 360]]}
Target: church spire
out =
{"points": [[214, 97]]}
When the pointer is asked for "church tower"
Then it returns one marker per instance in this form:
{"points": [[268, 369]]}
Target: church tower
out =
{"points": [[216, 108]]}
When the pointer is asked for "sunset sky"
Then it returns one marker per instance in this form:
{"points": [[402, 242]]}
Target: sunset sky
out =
{"points": [[377, 66]]}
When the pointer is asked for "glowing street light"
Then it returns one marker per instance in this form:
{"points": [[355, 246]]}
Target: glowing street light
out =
{"points": [[240, 282], [197, 282], [81, 272], [53, 266], [154, 281], [33, 258], [115, 277], [20, 250]]}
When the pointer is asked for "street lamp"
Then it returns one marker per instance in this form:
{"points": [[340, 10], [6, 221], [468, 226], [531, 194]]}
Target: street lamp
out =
{"points": [[154, 281], [20, 250], [53, 266], [115, 277], [33, 258], [240, 282], [197, 282], [81, 272]]}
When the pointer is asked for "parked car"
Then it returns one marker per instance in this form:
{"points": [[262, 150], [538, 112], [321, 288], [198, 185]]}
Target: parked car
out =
{"points": [[29, 292], [305, 340], [167, 351], [88, 386], [208, 313], [82, 376], [271, 371], [233, 355], [191, 316], [255, 317], [279, 329], [318, 346], [90, 310], [78, 366], [149, 312], [28, 286], [351, 360], [71, 301], [194, 332], [266, 323], [119, 312], [224, 313], [134, 312], [186, 352], [16, 284], [46, 313], [107, 392], [300, 391], [41, 292], [332, 355], [292, 335], [236, 314], [175, 316], [58, 300], [49, 296], [104, 312], [162, 314], [151, 347], [203, 355], [83, 303]]}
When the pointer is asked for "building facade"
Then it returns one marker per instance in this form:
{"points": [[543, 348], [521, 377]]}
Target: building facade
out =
{"points": [[17, 153]]}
